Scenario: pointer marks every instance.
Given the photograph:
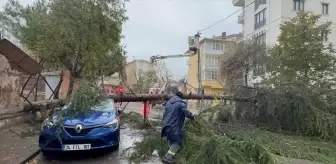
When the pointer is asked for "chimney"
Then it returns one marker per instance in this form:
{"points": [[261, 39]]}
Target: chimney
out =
{"points": [[223, 34]]}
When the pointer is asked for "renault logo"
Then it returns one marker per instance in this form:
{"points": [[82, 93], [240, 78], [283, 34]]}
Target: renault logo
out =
{"points": [[78, 128]]}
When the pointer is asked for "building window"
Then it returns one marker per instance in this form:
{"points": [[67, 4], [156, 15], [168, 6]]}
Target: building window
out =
{"points": [[217, 45], [324, 35], [211, 62], [261, 39], [258, 3], [260, 19], [210, 75], [298, 5], [325, 8]]}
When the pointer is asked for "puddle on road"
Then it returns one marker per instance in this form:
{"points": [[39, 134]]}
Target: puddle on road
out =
{"points": [[128, 137]]}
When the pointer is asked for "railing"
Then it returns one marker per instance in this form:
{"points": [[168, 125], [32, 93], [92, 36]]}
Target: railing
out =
{"points": [[211, 67], [240, 3]]}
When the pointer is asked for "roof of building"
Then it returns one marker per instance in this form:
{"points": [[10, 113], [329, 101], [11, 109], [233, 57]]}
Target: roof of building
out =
{"points": [[140, 60], [18, 59], [229, 38]]}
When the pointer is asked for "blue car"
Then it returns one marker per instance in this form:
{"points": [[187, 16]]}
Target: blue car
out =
{"points": [[97, 129]]}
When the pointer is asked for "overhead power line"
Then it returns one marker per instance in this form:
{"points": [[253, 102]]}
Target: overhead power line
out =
{"points": [[214, 24]]}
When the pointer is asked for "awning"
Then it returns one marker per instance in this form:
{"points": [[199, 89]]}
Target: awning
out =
{"points": [[18, 59]]}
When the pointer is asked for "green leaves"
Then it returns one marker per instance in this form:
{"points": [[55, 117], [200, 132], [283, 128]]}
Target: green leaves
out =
{"points": [[146, 80], [80, 35], [240, 60], [302, 54]]}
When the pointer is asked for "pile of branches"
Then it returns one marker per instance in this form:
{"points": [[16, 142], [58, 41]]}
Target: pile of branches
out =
{"points": [[203, 143]]}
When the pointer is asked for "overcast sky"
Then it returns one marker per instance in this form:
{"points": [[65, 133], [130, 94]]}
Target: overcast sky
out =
{"points": [[162, 27]]}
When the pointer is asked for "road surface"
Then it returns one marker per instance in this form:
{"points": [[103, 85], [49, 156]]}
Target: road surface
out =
{"points": [[128, 137]]}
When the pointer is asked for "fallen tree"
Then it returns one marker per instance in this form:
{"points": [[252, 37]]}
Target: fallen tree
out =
{"points": [[138, 98], [294, 108], [150, 97], [212, 139]]}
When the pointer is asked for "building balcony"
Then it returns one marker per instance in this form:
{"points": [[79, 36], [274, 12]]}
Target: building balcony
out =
{"points": [[212, 84], [238, 3], [210, 67], [241, 18]]}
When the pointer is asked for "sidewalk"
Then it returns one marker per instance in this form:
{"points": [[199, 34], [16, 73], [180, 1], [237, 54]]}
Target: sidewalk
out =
{"points": [[17, 144]]}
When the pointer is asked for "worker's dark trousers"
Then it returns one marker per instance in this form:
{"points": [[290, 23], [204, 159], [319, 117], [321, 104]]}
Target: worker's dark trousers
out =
{"points": [[174, 148]]}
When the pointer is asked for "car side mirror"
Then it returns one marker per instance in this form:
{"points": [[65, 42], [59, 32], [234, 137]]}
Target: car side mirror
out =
{"points": [[57, 109]]}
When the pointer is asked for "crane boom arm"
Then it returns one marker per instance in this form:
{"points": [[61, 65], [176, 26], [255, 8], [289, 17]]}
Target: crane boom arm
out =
{"points": [[158, 57]]}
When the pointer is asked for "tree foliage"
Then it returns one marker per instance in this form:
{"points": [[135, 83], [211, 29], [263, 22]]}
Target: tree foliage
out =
{"points": [[163, 74], [81, 101], [300, 97], [203, 143], [301, 69], [211, 139], [302, 53], [145, 80], [237, 64], [295, 108], [82, 36]]}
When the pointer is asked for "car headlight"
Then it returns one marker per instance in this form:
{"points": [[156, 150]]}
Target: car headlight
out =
{"points": [[47, 124], [113, 124]]}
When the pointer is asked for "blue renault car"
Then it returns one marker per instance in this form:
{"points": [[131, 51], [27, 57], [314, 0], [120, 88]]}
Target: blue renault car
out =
{"points": [[97, 129]]}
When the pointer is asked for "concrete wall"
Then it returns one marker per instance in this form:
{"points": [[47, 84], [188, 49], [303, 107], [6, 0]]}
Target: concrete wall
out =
{"points": [[10, 100]]}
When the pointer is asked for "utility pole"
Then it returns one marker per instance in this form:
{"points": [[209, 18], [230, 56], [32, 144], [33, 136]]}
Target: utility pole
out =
{"points": [[199, 71]]}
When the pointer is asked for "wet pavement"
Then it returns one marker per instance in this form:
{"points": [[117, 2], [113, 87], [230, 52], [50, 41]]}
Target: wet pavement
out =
{"points": [[17, 144]]}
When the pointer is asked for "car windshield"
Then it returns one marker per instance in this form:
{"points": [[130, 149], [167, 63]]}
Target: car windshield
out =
{"points": [[105, 106]]}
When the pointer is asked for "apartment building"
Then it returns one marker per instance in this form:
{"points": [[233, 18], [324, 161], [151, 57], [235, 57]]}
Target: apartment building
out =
{"points": [[261, 19], [211, 50]]}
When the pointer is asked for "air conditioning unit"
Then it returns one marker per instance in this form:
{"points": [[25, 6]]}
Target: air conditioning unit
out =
{"points": [[193, 43]]}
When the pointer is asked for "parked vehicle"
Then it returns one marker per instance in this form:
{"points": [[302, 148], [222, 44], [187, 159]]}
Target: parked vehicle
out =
{"points": [[97, 129]]}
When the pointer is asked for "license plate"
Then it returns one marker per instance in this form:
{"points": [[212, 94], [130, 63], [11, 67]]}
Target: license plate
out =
{"points": [[76, 147]]}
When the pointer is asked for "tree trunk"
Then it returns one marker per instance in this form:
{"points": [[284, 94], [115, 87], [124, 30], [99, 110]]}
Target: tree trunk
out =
{"points": [[56, 95], [246, 76], [306, 81], [71, 83], [102, 82]]}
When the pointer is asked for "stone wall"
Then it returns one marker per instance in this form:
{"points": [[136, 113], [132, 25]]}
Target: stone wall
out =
{"points": [[10, 86]]}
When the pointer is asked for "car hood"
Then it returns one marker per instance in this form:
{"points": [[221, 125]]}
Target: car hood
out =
{"points": [[91, 118]]}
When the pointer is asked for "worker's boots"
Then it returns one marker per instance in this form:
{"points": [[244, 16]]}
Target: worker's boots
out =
{"points": [[168, 161]]}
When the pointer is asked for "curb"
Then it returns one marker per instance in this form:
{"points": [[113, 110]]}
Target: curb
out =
{"points": [[37, 152]]}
